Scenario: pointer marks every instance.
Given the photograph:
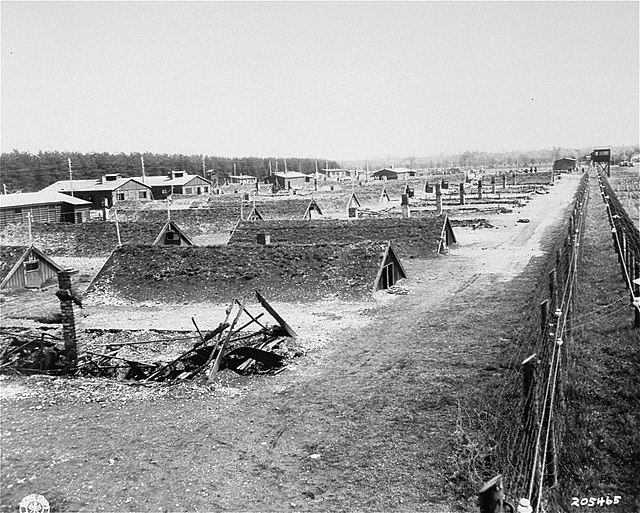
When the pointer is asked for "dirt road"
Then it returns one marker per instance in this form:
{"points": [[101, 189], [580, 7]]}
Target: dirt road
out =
{"points": [[377, 416]]}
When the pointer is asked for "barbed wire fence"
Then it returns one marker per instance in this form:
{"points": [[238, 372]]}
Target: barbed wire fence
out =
{"points": [[626, 242], [529, 460]]}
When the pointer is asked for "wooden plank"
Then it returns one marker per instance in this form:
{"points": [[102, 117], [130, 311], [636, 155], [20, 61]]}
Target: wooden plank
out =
{"points": [[289, 331], [215, 346], [218, 360], [254, 319]]}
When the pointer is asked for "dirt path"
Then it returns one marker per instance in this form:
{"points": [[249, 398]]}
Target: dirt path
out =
{"points": [[370, 419]]}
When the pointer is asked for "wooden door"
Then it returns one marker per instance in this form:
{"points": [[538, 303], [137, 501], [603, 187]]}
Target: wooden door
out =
{"points": [[32, 274]]}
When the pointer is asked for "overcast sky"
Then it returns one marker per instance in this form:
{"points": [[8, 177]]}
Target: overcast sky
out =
{"points": [[336, 80]]}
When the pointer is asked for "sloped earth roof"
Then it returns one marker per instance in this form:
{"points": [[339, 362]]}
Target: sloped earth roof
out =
{"points": [[9, 255], [92, 239], [219, 274], [411, 237]]}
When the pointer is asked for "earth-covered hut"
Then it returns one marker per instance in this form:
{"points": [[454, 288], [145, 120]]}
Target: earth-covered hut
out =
{"points": [[220, 273], [418, 237], [93, 239]]}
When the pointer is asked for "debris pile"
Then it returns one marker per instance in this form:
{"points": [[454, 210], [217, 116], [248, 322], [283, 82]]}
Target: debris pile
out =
{"points": [[473, 223], [266, 350], [29, 353]]}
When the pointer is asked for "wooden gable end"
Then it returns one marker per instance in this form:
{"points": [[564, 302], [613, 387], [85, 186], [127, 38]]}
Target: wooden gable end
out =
{"points": [[172, 235], [313, 211], [32, 270], [391, 270], [133, 185], [254, 215], [353, 202], [197, 181]]}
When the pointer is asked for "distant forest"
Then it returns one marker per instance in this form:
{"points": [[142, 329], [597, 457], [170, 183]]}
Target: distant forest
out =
{"points": [[27, 172]]}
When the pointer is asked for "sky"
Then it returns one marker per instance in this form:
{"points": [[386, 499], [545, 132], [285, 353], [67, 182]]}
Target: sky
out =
{"points": [[340, 80]]}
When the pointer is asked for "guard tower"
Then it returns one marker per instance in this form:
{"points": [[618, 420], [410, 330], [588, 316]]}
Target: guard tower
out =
{"points": [[602, 160]]}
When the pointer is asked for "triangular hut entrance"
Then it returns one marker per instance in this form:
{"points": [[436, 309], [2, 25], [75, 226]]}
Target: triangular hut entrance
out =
{"points": [[172, 235], [26, 267], [254, 215], [313, 211], [390, 271], [354, 202]]}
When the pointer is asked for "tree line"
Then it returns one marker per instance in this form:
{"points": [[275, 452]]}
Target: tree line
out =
{"points": [[28, 172]]}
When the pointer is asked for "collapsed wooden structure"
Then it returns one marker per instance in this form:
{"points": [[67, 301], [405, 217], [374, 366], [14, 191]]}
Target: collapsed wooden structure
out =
{"points": [[266, 349]]}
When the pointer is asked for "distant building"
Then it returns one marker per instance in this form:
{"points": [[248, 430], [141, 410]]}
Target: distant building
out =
{"points": [[394, 173], [176, 182], [243, 179], [104, 192], [289, 180], [43, 207], [564, 164], [337, 174]]}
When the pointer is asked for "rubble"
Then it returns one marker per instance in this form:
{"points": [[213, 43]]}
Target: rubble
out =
{"points": [[266, 350]]}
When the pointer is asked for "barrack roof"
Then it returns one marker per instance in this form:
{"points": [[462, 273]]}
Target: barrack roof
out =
{"points": [[43, 197]]}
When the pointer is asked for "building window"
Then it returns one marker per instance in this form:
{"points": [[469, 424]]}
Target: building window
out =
{"points": [[171, 238], [187, 190], [17, 211], [205, 189], [142, 194], [120, 196], [32, 266]]}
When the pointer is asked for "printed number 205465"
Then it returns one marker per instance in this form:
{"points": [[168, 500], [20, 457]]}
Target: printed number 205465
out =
{"points": [[595, 501]]}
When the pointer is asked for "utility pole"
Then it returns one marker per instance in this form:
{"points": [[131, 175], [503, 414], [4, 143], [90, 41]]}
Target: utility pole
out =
{"points": [[144, 176], [30, 234], [204, 171], [70, 175]]}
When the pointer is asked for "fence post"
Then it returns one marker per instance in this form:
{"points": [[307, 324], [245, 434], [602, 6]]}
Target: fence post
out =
{"points": [[551, 472], [480, 189], [529, 366], [491, 497], [461, 193], [553, 289], [636, 274], [544, 317], [438, 198]]}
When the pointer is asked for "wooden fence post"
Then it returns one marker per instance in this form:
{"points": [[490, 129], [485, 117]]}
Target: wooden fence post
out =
{"points": [[480, 189], [636, 273], [553, 289], [461, 193], [544, 317], [530, 398]]}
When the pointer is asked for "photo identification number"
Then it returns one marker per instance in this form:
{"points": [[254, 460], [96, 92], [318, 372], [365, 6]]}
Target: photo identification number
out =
{"points": [[595, 501]]}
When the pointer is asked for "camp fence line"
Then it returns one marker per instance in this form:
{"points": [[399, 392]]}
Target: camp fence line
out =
{"points": [[626, 242], [531, 446]]}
